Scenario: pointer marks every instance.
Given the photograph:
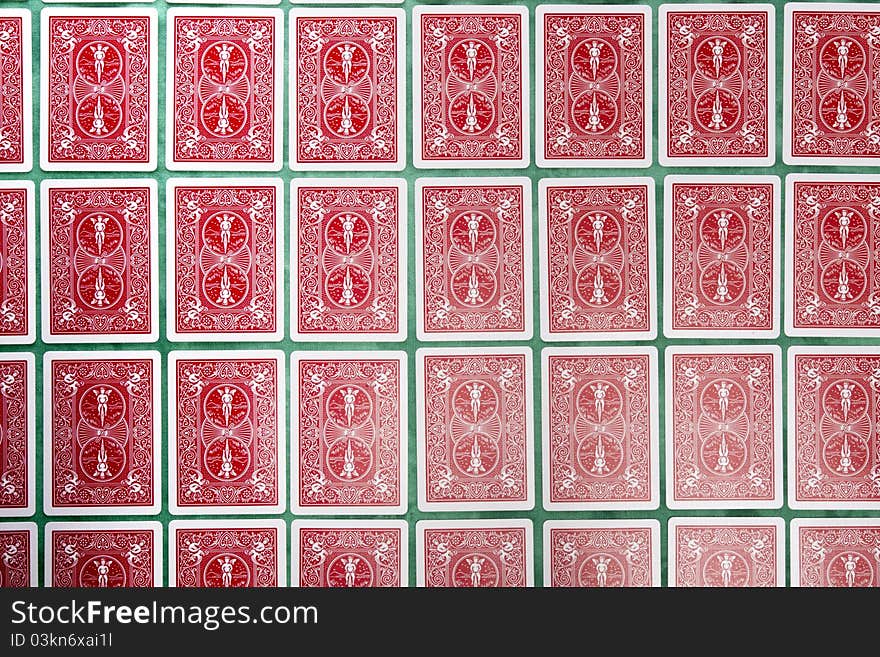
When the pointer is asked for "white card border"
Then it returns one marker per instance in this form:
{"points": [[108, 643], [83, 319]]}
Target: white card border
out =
{"points": [[787, 110], [114, 1], [733, 160], [30, 392], [711, 333], [153, 85], [27, 79], [518, 505], [790, 181], [776, 522], [278, 98], [98, 338], [527, 230], [540, 71], [324, 523], [49, 508], [401, 109], [172, 333], [174, 508], [795, 526], [223, 524], [31, 529], [773, 350], [403, 220], [512, 523], [403, 461], [310, 2], [791, 446], [31, 267], [651, 524], [544, 184], [91, 525], [208, 2], [654, 439], [525, 87]]}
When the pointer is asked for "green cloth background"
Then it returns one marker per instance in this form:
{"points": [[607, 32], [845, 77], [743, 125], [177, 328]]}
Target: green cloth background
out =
{"points": [[538, 515]]}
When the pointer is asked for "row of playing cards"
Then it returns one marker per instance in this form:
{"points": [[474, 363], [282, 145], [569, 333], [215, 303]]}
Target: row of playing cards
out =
{"points": [[470, 102], [225, 257], [102, 437], [704, 552]]}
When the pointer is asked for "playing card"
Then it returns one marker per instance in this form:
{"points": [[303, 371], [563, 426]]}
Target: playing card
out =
{"points": [[18, 262], [598, 260], [223, 2], [601, 435], [835, 552], [18, 555], [471, 82], [16, 133], [473, 259], [601, 553], [832, 279], [474, 429], [833, 444], [348, 247], [99, 70], [474, 553], [722, 256], [224, 89], [726, 552], [225, 260], [717, 85], [593, 86], [103, 554], [100, 261], [347, 89], [17, 434], [724, 427], [831, 105], [226, 421], [102, 429], [227, 553], [350, 553], [350, 432]]}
